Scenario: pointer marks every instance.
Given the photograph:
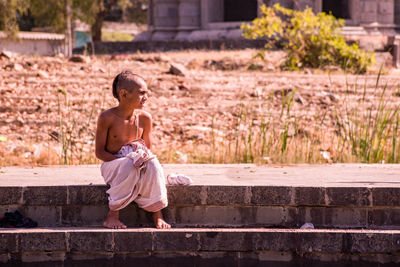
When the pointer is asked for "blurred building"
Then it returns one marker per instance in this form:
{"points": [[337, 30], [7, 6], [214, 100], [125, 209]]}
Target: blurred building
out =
{"points": [[33, 43], [194, 20]]}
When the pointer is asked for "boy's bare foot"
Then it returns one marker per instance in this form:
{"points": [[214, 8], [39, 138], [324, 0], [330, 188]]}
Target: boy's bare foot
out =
{"points": [[113, 221], [159, 221]]}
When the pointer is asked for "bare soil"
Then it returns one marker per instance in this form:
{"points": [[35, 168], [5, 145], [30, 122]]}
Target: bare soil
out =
{"points": [[51, 103]]}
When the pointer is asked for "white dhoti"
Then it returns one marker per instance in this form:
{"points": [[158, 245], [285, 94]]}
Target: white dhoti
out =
{"points": [[133, 179]]}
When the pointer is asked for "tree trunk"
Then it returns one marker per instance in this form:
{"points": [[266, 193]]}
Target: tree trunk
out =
{"points": [[68, 29], [98, 24]]}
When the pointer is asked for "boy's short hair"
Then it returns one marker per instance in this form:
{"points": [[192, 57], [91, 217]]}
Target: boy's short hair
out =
{"points": [[125, 80]]}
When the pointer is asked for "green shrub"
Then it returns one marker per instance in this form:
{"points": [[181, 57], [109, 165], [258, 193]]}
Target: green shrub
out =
{"points": [[311, 40]]}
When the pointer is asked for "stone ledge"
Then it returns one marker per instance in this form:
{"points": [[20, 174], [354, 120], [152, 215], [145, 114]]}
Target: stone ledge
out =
{"points": [[211, 195], [86, 243]]}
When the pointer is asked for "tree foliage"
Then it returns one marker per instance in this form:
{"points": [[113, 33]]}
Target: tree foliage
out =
{"points": [[9, 12], [52, 13], [311, 40]]}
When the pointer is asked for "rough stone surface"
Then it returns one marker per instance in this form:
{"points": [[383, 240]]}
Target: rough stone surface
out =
{"points": [[310, 195], [42, 242], [271, 195], [133, 241], [91, 241], [349, 196], [44, 195], [8, 242], [83, 215], [386, 196], [10, 195], [87, 195]]}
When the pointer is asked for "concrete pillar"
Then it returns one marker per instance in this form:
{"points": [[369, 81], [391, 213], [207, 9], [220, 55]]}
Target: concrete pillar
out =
{"points": [[368, 11], [397, 12], [166, 14], [385, 11], [166, 19], [189, 18], [189, 14]]}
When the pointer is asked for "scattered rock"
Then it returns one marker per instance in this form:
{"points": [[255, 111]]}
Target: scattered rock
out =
{"points": [[6, 54], [255, 66], [299, 99], [15, 66], [331, 96], [79, 59], [177, 69], [183, 86], [43, 74]]}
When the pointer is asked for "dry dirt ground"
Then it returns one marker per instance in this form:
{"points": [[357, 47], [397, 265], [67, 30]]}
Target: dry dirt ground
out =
{"points": [[49, 105]]}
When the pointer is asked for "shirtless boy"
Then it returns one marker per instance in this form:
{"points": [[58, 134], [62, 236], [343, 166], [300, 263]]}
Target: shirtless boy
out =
{"points": [[123, 142]]}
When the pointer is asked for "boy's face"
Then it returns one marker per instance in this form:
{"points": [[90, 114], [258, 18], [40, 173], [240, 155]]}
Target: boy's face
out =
{"points": [[136, 96]]}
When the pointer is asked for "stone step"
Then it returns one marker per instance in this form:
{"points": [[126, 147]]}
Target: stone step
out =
{"points": [[215, 206], [244, 195], [199, 247]]}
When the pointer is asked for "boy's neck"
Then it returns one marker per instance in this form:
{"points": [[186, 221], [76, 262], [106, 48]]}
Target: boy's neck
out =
{"points": [[125, 111]]}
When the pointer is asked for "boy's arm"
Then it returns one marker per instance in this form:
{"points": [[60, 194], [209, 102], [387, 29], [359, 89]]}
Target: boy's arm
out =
{"points": [[147, 128], [101, 139]]}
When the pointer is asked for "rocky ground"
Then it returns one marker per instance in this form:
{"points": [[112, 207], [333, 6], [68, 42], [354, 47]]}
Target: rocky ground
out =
{"points": [[49, 105]]}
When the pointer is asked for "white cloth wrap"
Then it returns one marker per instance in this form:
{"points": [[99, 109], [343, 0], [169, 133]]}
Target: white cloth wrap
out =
{"points": [[144, 184]]}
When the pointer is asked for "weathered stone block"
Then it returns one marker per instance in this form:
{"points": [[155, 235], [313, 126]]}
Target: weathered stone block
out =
{"points": [[309, 196], [386, 196], [42, 241], [345, 217], [349, 196], [269, 216], [45, 258], [371, 243], [384, 217], [98, 258], [45, 195], [133, 216], [83, 215], [10, 195], [175, 241], [227, 195], [209, 216], [187, 195], [296, 216], [87, 195], [226, 241], [44, 215], [8, 242], [318, 242], [90, 241], [273, 241], [133, 241], [276, 195]]}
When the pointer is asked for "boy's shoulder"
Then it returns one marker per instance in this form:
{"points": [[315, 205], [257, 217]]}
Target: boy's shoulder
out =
{"points": [[144, 114], [106, 113]]}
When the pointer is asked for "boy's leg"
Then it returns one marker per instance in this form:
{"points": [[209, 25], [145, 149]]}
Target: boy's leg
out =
{"points": [[159, 220], [113, 221]]}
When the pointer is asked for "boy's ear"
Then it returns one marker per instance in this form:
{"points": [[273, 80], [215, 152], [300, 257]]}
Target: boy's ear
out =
{"points": [[122, 93]]}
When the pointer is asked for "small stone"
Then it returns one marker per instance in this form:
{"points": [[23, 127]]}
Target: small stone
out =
{"points": [[6, 54], [42, 74], [79, 59], [177, 69], [18, 67], [184, 86]]}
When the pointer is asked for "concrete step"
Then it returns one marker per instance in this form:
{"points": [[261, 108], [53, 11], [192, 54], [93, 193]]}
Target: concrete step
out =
{"points": [[331, 196], [200, 247], [216, 206]]}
